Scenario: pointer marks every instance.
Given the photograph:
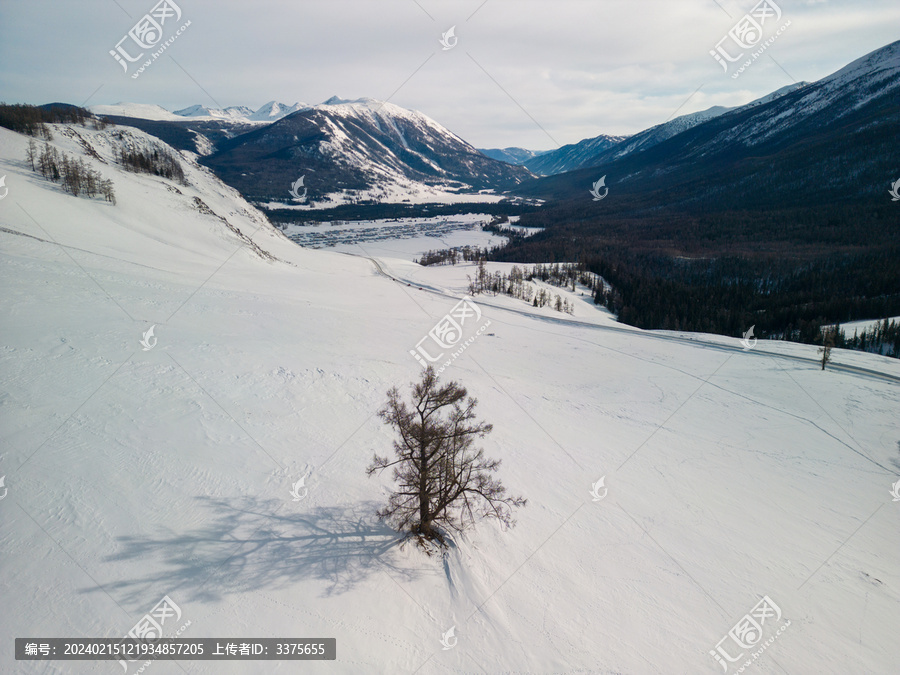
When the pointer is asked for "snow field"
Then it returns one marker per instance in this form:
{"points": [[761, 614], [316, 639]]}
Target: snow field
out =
{"points": [[136, 474]]}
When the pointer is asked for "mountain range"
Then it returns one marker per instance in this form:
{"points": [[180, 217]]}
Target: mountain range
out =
{"points": [[776, 215], [369, 151], [346, 151], [833, 140], [512, 155], [596, 150], [268, 112], [572, 156]]}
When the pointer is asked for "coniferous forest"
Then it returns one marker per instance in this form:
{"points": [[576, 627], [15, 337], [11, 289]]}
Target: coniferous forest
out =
{"points": [[787, 274]]}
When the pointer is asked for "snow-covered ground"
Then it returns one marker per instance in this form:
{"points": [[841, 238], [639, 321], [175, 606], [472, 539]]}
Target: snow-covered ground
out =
{"points": [[131, 474], [866, 325], [453, 281]]}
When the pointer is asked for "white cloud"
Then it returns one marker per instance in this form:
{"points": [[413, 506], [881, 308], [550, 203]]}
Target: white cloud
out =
{"points": [[578, 67]]}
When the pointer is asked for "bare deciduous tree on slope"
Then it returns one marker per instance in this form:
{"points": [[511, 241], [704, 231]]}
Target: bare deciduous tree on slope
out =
{"points": [[443, 481]]}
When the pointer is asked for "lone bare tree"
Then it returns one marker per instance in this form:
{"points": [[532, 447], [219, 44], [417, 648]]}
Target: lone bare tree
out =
{"points": [[442, 479], [828, 338]]}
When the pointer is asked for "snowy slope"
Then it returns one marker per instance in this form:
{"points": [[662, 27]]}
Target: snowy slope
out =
{"points": [[135, 474], [145, 111]]}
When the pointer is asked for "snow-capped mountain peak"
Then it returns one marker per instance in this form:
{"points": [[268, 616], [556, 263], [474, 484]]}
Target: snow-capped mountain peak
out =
{"points": [[882, 64], [365, 146], [374, 110], [273, 111], [337, 100], [268, 112], [199, 111]]}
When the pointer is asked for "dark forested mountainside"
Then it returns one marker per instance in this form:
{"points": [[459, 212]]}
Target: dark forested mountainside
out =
{"points": [[776, 216]]}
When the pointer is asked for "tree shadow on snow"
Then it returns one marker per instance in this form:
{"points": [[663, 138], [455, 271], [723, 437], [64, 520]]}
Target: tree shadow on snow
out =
{"points": [[247, 545]]}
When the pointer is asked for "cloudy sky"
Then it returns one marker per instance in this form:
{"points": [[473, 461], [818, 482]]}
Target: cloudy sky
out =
{"points": [[529, 73]]}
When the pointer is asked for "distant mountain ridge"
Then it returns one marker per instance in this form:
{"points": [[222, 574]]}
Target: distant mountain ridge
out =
{"points": [[517, 156], [364, 147], [808, 144], [273, 111], [662, 132], [572, 156], [604, 148], [268, 112], [776, 215]]}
